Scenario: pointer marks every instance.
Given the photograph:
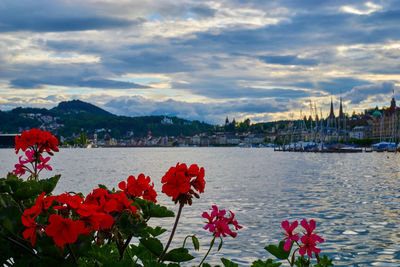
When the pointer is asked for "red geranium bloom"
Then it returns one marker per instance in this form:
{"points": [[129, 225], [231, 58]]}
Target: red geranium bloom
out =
{"points": [[289, 228], [140, 187], [91, 215], [64, 231], [43, 140], [72, 202], [119, 202], [218, 224], [31, 232], [97, 197], [179, 180], [42, 203]]}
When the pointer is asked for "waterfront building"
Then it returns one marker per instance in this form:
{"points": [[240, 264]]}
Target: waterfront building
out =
{"points": [[385, 124], [361, 132]]}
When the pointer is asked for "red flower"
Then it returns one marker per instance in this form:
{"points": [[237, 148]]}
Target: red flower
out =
{"points": [[91, 215], [309, 239], [178, 181], [64, 231], [218, 224], [31, 232], [72, 202], [43, 140], [139, 187], [42, 203], [119, 202], [97, 197], [289, 228]]}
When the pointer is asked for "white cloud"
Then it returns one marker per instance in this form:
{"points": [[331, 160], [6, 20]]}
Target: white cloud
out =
{"points": [[366, 9]]}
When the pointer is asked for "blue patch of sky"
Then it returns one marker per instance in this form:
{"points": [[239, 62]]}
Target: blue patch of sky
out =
{"points": [[190, 15], [139, 80], [156, 16]]}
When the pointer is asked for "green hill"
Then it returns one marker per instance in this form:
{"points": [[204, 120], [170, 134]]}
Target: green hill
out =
{"points": [[74, 117]]}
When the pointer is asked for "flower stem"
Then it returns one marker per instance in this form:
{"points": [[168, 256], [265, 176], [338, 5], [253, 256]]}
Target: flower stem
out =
{"points": [[209, 249], [128, 240], [72, 254], [173, 232]]}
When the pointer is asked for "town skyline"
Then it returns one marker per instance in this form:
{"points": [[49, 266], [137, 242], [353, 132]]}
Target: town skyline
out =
{"points": [[264, 61]]}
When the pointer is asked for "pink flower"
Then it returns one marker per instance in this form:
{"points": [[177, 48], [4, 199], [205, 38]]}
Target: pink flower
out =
{"points": [[309, 239], [218, 224], [309, 245], [29, 153], [20, 168], [43, 164], [289, 228]]}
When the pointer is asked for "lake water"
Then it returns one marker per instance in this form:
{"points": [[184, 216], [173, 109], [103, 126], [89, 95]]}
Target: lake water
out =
{"points": [[353, 197]]}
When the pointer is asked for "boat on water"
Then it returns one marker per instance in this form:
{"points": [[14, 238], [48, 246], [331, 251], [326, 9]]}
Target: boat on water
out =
{"points": [[385, 147]]}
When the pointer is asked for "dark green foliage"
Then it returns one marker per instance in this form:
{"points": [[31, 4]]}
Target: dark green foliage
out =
{"points": [[228, 263], [178, 255], [302, 262], [151, 209], [325, 261], [278, 251], [267, 263], [196, 243], [153, 245]]}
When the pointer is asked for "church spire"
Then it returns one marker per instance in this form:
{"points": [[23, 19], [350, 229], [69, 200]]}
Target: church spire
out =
{"points": [[332, 113], [341, 114]]}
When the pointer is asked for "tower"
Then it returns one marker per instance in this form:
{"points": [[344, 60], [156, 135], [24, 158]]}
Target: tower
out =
{"points": [[341, 116], [331, 118]]}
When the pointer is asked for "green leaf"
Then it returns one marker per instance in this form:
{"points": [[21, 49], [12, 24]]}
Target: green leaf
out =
{"points": [[196, 243], [27, 190], [279, 252], [151, 209], [220, 245], [302, 262], [178, 255], [102, 186], [267, 263], [155, 231], [228, 263], [153, 245], [206, 265], [325, 261], [48, 185]]}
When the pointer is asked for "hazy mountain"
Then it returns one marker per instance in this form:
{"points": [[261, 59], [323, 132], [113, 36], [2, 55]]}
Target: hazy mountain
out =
{"points": [[77, 106]]}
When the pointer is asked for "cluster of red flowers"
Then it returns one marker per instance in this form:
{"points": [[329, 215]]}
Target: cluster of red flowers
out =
{"points": [[43, 140], [219, 224], [34, 142], [179, 180], [95, 212], [139, 187], [309, 239]]}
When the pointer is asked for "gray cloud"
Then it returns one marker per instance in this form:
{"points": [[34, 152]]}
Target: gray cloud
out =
{"points": [[288, 60], [26, 83], [222, 62], [334, 86], [361, 93], [54, 16], [209, 112]]}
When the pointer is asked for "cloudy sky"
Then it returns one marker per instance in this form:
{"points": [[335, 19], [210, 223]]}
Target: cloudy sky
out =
{"points": [[205, 60]]}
